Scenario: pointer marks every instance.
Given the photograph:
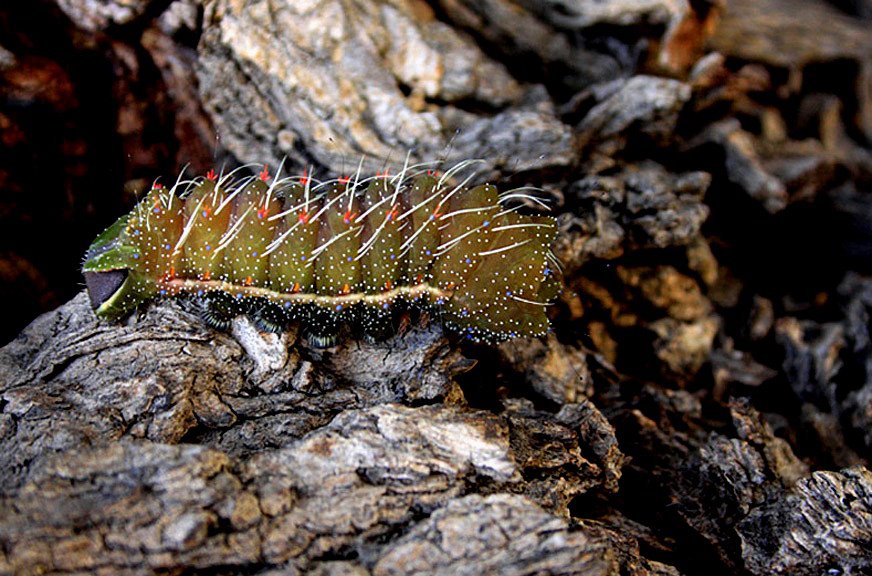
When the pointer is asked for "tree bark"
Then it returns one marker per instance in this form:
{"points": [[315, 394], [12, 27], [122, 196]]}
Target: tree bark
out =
{"points": [[702, 405]]}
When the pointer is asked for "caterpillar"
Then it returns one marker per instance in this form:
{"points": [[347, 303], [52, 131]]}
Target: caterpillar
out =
{"points": [[349, 250]]}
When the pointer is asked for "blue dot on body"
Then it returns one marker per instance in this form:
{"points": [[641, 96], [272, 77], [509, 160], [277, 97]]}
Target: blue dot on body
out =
{"points": [[386, 305], [136, 256], [468, 261], [339, 307], [349, 258], [428, 253]]}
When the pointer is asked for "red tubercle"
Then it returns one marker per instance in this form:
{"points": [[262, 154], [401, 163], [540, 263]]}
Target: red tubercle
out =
{"points": [[211, 175], [304, 179], [348, 218], [344, 179], [169, 275], [262, 212], [304, 217], [264, 174], [393, 212]]}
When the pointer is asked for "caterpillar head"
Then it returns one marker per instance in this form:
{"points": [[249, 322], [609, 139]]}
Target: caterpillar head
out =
{"points": [[107, 274], [124, 264]]}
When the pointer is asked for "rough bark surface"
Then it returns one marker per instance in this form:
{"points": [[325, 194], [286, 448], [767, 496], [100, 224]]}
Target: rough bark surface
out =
{"points": [[163, 445], [702, 406]]}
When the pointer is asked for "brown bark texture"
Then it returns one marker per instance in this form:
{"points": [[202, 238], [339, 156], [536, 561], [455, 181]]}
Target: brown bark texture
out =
{"points": [[703, 404]]}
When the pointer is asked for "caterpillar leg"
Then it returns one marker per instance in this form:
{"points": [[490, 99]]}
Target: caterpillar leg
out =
{"points": [[218, 309], [268, 318], [376, 323], [322, 329]]}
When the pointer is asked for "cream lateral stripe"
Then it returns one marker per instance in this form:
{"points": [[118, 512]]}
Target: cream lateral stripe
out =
{"points": [[410, 292]]}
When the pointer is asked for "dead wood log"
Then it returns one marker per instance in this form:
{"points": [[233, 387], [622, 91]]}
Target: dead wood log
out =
{"points": [[703, 404]]}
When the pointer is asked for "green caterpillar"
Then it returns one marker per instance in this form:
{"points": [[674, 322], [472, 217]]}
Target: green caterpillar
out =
{"points": [[349, 250]]}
